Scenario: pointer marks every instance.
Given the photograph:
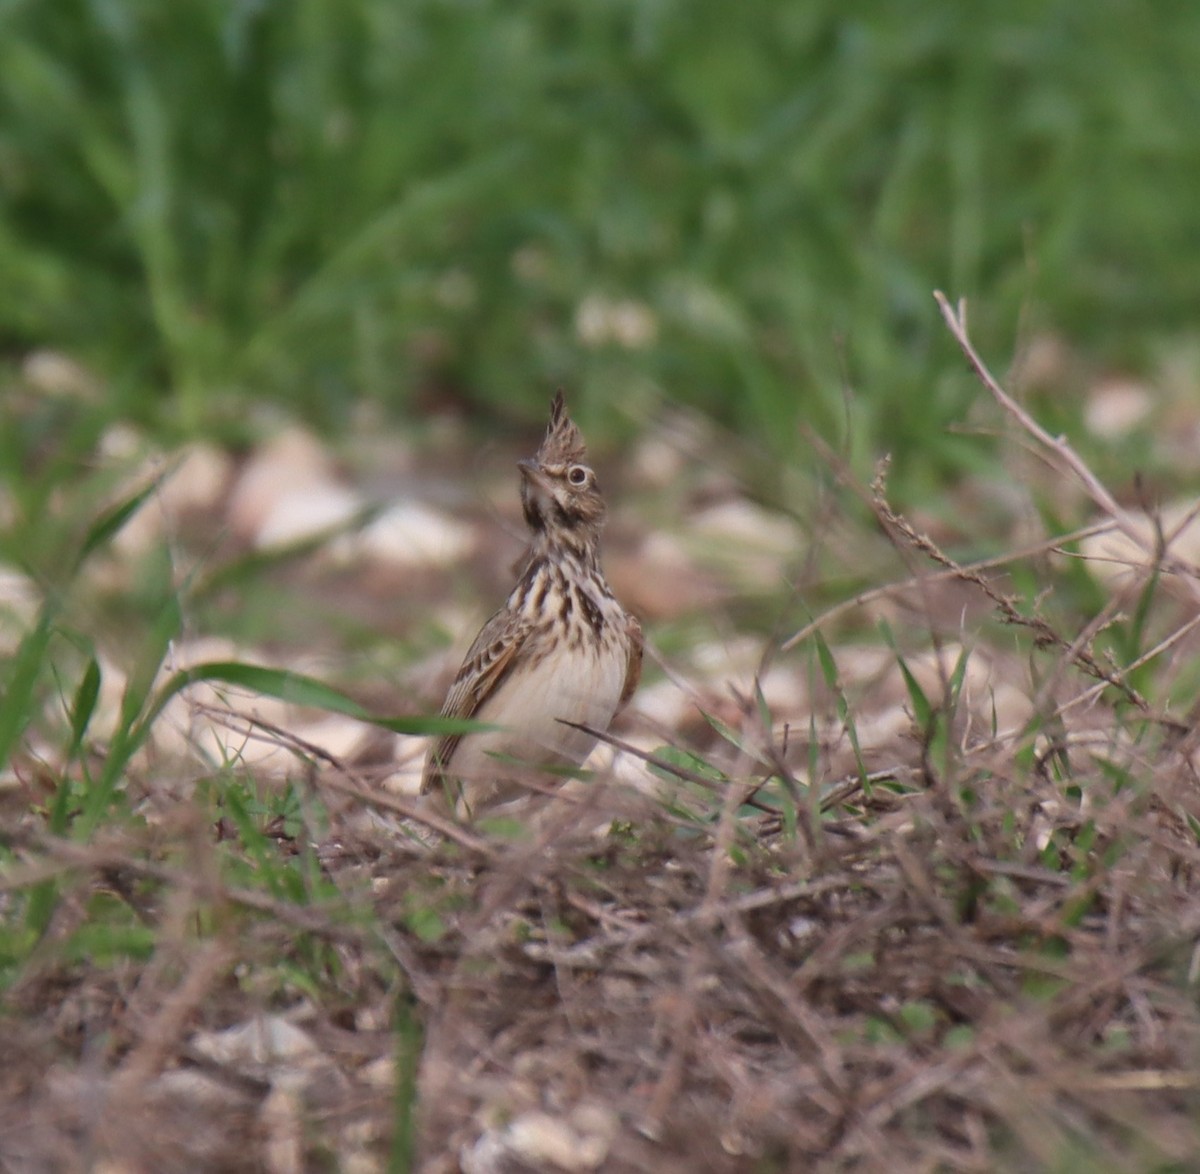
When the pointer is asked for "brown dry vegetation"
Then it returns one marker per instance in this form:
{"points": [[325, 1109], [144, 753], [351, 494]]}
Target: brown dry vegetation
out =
{"points": [[927, 907]]}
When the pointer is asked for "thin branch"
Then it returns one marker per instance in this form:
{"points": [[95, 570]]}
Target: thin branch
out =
{"points": [[1045, 546], [1127, 523]]}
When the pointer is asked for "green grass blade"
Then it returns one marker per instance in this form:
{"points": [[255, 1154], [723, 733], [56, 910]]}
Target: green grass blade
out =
{"points": [[833, 681], [298, 689], [410, 1040], [18, 702], [922, 708], [83, 705], [131, 733], [106, 527]]}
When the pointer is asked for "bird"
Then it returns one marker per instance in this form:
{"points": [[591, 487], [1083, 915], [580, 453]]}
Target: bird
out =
{"points": [[560, 649]]}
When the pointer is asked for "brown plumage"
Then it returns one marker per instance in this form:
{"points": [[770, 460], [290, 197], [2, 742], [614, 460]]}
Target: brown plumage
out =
{"points": [[561, 647]]}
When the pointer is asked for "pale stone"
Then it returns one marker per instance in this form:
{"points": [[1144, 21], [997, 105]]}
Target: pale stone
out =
{"points": [[360, 1161], [405, 777], [664, 704], [751, 545], [784, 691], [339, 736], [113, 683], [745, 523], [545, 1142], [657, 462], [411, 535], [1116, 407], [183, 729], [380, 1073], [54, 373], [600, 321], [1115, 558], [633, 325], [305, 512], [122, 442], [802, 928], [261, 1042], [200, 479], [1013, 708], [734, 659], [280, 1119], [874, 731], [195, 481], [860, 664], [198, 1089], [294, 461]]}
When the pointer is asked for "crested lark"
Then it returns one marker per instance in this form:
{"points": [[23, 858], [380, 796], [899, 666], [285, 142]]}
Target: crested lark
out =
{"points": [[560, 649]]}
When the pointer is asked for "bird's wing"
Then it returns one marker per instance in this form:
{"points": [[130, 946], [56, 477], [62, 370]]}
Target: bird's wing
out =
{"points": [[633, 666], [488, 662]]}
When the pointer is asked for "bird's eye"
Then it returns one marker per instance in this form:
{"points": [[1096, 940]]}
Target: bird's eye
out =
{"points": [[577, 475]]}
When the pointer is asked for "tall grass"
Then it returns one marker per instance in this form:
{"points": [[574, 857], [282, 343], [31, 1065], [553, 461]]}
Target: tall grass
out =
{"points": [[317, 200]]}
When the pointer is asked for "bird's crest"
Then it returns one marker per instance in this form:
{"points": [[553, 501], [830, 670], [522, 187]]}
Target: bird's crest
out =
{"points": [[564, 443]]}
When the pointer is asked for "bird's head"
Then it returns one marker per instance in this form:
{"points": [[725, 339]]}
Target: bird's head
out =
{"points": [[559, 493]]}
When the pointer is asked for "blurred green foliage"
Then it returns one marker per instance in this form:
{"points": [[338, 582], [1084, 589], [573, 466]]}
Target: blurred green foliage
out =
{"points": [[743, 206]]}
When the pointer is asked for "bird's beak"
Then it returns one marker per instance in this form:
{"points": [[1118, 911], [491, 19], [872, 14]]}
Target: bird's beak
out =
{"points": [[536, 487], [532, 472]]}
